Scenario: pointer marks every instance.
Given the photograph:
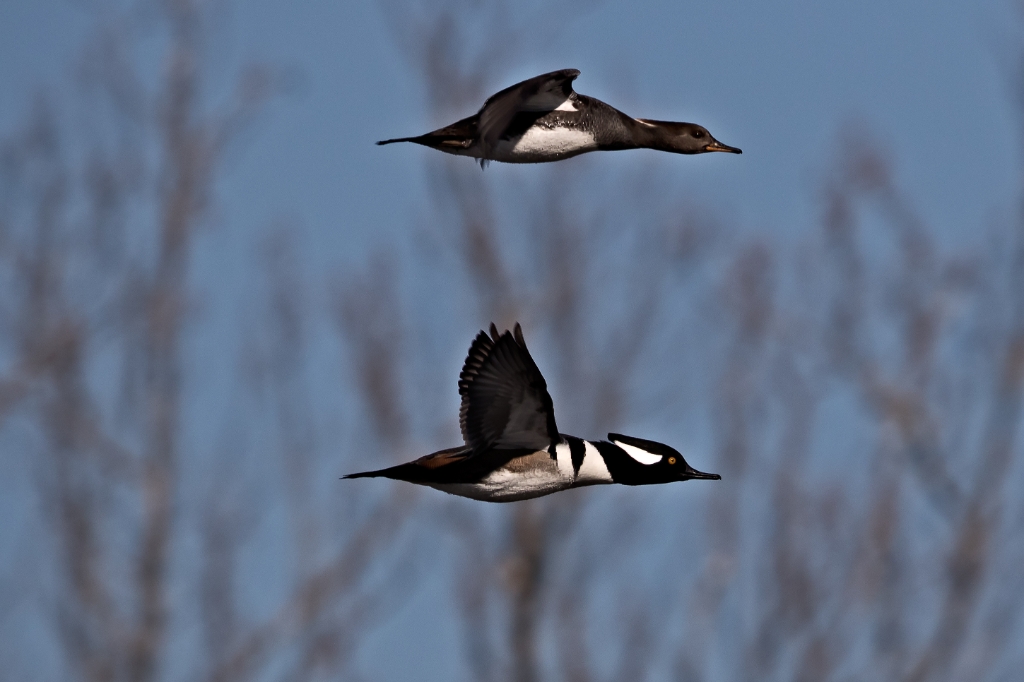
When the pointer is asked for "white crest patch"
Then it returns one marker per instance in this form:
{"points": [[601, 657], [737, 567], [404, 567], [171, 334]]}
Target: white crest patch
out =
{"points": [[593, 469], [639, 455]]}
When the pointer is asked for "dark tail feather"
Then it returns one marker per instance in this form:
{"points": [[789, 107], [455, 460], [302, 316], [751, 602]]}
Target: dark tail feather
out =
{"points": [[399, 139], [367, 474]]}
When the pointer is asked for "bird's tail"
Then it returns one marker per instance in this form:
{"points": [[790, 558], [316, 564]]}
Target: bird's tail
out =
{"points": [[366, 474], [399, 139]]}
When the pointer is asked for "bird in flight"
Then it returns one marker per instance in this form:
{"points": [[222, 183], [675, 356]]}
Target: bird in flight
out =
{"points": [[513, 450], [542, 119]]}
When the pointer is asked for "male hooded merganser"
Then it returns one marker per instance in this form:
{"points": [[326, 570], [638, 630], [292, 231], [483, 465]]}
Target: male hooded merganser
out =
{"points": [[542, 119], [513, 450]]}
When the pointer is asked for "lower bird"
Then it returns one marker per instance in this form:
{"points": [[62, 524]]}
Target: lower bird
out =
{"points": [[513, 450], [542, 119]]}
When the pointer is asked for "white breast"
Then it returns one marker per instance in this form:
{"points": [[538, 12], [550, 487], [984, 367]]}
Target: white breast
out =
{"points": [[529, 476], [563, 458], [593, 469], [543, 476], [506, 486], [544, 144]]}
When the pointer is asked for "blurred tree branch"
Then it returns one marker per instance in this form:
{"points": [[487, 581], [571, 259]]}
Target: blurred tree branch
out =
{"points": [[99, 237]]}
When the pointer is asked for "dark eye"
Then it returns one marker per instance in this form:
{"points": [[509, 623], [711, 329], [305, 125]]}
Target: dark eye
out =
{"points": [[698, 134], [671, 460]]}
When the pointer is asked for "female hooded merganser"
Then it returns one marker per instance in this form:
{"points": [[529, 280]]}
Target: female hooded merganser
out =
{"points": [[542, 119], [513, 450]]}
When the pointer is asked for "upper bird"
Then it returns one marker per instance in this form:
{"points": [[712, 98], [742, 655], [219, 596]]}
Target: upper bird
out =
{"points": [[513, 450], [543, 119]]}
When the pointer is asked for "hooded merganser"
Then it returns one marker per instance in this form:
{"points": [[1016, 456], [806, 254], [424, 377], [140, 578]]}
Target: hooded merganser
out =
{"points": [[513, 450], [542, 119]]}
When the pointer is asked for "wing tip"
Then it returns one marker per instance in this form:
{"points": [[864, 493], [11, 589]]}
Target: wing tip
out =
{"points": [[478, 351], [571, 74], [516, 333]]}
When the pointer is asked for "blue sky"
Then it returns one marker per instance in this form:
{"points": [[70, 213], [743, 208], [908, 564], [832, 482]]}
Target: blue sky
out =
{"points": [[928, 80]]}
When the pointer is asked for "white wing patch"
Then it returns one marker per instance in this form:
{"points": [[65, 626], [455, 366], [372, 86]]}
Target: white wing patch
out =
{"points": [[566, 106], [552, 96], [593, 469], [639, 455]]}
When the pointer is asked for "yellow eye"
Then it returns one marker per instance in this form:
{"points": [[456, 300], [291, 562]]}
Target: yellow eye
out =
{"points": [[671, 460]]}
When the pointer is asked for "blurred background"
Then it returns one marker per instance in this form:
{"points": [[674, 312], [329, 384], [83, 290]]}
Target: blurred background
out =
{"points": [[218, 296]]}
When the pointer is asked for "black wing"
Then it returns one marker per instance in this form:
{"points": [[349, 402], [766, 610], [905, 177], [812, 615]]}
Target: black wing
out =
{"points": [[540, 93], [505, 401]]}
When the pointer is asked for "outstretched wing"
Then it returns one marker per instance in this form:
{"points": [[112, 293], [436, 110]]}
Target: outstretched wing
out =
{"points": [[540, 93], [505, 401]]}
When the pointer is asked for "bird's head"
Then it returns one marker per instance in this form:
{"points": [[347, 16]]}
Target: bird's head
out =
{"points": [[652, 462], [684, 138]]}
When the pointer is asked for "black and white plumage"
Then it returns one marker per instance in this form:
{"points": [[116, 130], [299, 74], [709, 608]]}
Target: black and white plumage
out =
{"points": [[513, 450], [542, 119]]}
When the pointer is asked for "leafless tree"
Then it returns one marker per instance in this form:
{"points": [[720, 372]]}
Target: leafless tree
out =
{"points": [[862, 390], [148, 532], [594, 293], [894, 562]]}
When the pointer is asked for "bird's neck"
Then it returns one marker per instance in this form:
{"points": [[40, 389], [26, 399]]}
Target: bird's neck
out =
{"points": [[651, 135], [623, 468]]}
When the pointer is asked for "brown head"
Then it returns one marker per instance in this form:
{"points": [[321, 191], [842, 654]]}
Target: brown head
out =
{"points": [[681, 138]]}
